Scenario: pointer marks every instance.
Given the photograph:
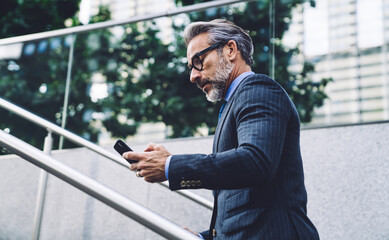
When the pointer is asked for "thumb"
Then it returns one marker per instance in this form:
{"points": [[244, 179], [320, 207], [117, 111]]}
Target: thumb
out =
{"points": [[151, 147]]}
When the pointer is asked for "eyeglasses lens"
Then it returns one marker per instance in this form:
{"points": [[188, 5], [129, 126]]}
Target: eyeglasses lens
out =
{"points": [[197, 64]]}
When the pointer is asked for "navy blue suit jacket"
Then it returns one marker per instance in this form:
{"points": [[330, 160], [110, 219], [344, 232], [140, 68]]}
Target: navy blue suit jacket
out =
{"points": [[255, 169]]}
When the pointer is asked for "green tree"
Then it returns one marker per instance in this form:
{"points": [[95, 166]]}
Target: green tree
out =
{"points": [[19, 17], [163, 93], [36, 81], [147, 79], [21, 80], [267, 28]]}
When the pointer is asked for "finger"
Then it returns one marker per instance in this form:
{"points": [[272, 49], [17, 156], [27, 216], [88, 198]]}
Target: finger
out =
{"points": [[155, 147], [151, 147], [138, 174], [133, 166], [152, 176], [135, 156], [149, 179], [187, 229]]}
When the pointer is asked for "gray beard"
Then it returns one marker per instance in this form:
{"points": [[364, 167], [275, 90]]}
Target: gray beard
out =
{"points": [[218, 82]]}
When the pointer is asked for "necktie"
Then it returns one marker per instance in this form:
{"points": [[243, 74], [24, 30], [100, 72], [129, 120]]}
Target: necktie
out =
{"points": [[221, 109]]}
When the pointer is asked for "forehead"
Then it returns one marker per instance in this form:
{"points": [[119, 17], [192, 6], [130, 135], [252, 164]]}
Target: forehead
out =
{"points": [[198, 43]]}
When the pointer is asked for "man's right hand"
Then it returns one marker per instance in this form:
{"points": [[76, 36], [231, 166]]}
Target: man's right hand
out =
{"points": [[151, 163]]}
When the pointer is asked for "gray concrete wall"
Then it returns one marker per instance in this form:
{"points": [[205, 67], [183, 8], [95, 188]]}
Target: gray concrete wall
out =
{"points": [[71, 214], [346, 170], [347, 179]]}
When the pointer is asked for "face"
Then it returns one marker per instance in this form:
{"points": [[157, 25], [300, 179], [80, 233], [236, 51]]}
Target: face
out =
{"points": [[215, 68]]}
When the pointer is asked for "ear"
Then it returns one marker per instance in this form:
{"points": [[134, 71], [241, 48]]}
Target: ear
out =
{"points": [[231, 50]]}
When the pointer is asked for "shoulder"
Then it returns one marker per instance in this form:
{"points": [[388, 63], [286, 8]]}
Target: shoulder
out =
{"points": [[259, 86], [260, 80], [259, 92]]}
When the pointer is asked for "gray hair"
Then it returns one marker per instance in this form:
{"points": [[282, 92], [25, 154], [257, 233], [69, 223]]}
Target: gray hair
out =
{"points": [[221, 30]]}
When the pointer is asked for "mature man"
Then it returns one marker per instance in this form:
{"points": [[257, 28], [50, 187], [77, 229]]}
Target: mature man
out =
{"points": [[255, 169]]}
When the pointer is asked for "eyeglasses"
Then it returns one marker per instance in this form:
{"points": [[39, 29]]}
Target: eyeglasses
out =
{"points": [[197, 63]]}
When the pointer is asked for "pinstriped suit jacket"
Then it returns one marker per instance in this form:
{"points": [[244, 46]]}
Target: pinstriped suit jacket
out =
{"points": [[255, 169]]}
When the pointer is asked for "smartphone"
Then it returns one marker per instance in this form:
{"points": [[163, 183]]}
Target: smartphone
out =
{"points": [[121, 148]]}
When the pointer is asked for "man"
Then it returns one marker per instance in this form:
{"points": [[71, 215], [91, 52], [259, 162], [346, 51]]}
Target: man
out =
{"points": [[256, 168]]}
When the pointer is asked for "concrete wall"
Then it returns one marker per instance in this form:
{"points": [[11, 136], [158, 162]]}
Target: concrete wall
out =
{"points": [[346, 170], [347, 179]]}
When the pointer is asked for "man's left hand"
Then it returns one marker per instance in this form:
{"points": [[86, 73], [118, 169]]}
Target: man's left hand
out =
{"points": [[151, 163]]}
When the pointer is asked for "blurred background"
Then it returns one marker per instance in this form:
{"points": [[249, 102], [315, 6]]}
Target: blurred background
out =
{"points": [[130, 81]]}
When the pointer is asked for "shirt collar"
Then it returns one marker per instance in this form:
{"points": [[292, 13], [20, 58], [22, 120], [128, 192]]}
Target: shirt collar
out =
{"points": [[235, 84]]}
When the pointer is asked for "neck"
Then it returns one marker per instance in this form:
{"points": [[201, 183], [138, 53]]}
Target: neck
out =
{"points": [[238, 69]]}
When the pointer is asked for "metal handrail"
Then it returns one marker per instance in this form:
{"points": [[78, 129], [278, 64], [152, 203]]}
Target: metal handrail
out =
{"points": [[90, 27], [337, 125], [60, 131], [97, 190], [85, 143], [112, 23], [42, 187]]}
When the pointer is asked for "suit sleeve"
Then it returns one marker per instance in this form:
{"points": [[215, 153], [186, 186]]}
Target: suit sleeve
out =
{"points": [[250, 145], [205, 234]]}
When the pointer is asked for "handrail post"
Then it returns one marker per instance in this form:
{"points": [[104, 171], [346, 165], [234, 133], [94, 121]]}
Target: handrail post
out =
{"points": [[41, 196], [67, 88]]}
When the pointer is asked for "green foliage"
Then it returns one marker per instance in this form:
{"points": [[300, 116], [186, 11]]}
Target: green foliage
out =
{"points": [[255, 17], [19, 17], [162, 92], [37, 80], [45, 68], [147, 79]]}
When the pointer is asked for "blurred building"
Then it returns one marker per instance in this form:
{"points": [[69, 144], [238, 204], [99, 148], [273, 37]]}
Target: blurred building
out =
{"points": [[123, 9], [347, 40], [128, 8]]}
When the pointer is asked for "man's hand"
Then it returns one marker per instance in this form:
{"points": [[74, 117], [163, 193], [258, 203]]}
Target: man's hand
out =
{"points": [[187, 229], [151, 163]]}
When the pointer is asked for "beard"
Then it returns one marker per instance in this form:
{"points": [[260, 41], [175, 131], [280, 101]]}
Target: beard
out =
{"points": [[218, 81]]}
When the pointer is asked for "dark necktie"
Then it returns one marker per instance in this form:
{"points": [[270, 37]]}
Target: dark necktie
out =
{"points": [[222, 107]]}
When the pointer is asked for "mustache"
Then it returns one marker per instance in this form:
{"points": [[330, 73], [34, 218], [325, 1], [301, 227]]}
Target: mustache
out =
{"points": [[201, 83]]}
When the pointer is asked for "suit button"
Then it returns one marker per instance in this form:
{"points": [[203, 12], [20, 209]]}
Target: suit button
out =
{"points": [[198, 183], [214, 232], [193, 183], [183, 183], [187, 183]]}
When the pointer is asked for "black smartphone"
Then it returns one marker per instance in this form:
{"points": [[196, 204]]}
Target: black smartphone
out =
{"points": [[121, 147]]}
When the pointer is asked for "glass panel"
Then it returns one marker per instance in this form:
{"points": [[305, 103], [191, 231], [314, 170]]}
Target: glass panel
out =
{"points": [[137, 75], [132, 79], [344, 40], [32, 76]]}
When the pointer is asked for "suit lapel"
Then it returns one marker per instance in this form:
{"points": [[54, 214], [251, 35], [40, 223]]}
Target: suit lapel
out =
{"points": [[223, 117], [220, 124]]}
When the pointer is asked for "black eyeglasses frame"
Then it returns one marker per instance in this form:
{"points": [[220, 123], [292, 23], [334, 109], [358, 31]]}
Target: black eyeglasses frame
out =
{"points": [[197, 55]]}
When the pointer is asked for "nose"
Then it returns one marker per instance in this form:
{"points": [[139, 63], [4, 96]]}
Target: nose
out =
{"points": [[195, 76]]}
